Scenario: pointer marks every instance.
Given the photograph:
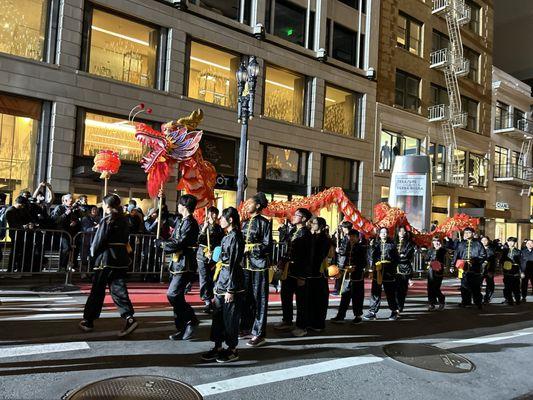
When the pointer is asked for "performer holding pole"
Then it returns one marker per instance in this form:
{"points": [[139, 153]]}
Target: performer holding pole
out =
{"points": [[511, 258], [404, 273], [437, 261]]}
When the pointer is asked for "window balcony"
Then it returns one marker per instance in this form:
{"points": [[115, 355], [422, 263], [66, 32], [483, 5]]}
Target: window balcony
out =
{"points": [[440, 112], [440, 59], [519, 129], [460, 120], [463, 11], [514, 174], [440, 6]]}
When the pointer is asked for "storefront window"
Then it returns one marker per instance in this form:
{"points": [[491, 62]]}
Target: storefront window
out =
{"points": [[385, 191], [459, 167], [342, 111], [339, 172], [393, 144], [219, 151], [284, 95], [477, 170], [103, 132], [23, 28], [19, 127], [332, 216], [212, 75], [225, 198], [284, 165], [122, 49]]}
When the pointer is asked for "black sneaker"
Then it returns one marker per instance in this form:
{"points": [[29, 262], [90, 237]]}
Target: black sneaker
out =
{"points": [[176, 336], [208, 309], [86, 326], [131, 325], [227, 355], [190, 329], [357, 320], [441, 306], [337, 320], [394, 316], [256, 341], [211, 355], [370, 317]]}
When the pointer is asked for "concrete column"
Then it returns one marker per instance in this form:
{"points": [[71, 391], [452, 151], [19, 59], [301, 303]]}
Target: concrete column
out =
{"points": [[176, 61], [318, 87], [321, 17], [258, 14], [61, 148], [70, 28]]}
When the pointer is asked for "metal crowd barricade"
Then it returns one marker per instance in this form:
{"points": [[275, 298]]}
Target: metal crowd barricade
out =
{"points": [[34, 251]]}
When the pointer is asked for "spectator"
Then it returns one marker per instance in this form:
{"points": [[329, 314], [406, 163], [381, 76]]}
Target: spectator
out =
{"points": [[3, 220], [83, 205], [20, 222], [132, 205], [89, 224], [40, 205], [67, 217]]}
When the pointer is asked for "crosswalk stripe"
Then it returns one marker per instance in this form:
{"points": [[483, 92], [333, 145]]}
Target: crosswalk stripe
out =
{"points": [[18, 351]]}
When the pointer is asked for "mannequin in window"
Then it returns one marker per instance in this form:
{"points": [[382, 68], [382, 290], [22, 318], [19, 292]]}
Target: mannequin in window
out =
{"points": [[395, 151], [384, 157]]}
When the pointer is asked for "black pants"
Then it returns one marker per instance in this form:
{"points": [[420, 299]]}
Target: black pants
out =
{"points": [[64, 252], [471, 288], [289, 289], [116, 280], [317, 295], [226, 318], [353, 291], [205, 276], [526, 281], [402, 285], [489, 286], [254, 313], [375, 295], [183, 312], [20, 256], [338, 284], [434, 283], [511, 287]]}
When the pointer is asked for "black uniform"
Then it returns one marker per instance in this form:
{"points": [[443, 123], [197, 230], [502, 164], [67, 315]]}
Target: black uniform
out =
{"points": [[205, 274], [257, 235], [341, 260], [226, 316], [352, 256], [437, 262], [317, 290], [111, 260], [404, 272], [22, 240], [526, 268], [488, 273], [71, 223], [474, 254], [510, 261], [182, 246], [383, 251]]}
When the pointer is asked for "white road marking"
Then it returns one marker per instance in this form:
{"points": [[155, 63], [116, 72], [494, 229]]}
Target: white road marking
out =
{"points": [[484, 339], [283, 375], [19, 351], [35, 299]]}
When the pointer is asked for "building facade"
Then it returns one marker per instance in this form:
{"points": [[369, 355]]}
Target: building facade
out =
{"points": [[71, 70]]}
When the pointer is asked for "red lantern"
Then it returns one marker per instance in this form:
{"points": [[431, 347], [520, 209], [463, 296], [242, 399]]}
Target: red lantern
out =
{"points": [[107, 163]]}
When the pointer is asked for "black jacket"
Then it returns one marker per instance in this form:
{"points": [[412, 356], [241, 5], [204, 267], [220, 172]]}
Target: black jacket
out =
{"points": [[437, 255], [299, 253], [527, 260], [108, 248], [63, 220], [477, 254], [406, 251], [216, 233], [490, 262], [231, 277], [182, 245], [257, 231], [354, 255], [513, 255], [386, 251], [321, 244], [341, 254], [16, 218]]}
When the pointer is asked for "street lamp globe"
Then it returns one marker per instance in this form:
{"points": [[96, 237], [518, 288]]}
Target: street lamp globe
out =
{"points": [[242, 74], [253, 67]]}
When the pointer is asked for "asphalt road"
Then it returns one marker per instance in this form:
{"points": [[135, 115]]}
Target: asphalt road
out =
{"points": [[43, 355]]}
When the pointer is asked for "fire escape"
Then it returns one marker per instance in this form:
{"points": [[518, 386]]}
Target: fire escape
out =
{"points": [[454, 65]]}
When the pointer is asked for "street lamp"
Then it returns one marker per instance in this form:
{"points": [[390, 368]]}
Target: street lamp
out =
{"points": [[246, 81]]}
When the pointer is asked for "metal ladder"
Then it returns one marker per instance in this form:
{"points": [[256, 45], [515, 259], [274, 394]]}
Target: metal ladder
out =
{"points": [[525, 153]]}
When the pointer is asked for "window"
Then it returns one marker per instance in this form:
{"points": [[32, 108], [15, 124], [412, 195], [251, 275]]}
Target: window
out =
{"points": [[212, 75], [344, 45], [475, 17], [409, 34], [502, 116], [519, 116], [238, 10], [477, 170], [23, 28], [411, 146], [500, 161], [121, 49], [284, 95], [104, 132], [342, 111], [286, 165], [221, 152], [393, 144], [355, 4], [439, 95], [473, 57], [407, 91], [439, 41], [340, 172], [437, 154], [19, 130], [471, 108], [459, 167], [288, 21]]}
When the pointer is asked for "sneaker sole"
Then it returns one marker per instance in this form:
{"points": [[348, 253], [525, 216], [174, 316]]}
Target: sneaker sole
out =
{"points": [[256, 345], [228, 361], [208, 359], [129, 330]]}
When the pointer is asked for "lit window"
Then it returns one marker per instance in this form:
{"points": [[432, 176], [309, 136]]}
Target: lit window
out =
{"points": [[477, 170], [340, 172], [459, 167], [23, 28], [284, 95], [212, 75], [285, 165], [409, 34], [103, 132], [122, 49], [342, 111]]}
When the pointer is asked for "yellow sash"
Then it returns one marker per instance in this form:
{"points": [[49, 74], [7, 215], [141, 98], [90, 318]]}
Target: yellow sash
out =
{"points": [[507, 265], [270, 274], [379, 270], [324, 266], [176, 256], [218, 268]]}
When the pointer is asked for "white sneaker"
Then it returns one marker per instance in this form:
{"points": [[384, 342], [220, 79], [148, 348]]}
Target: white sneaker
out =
{"points": [[299, 332]]}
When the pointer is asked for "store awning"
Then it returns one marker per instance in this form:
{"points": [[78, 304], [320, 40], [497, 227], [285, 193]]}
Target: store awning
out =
{"points": [[485, 213]]}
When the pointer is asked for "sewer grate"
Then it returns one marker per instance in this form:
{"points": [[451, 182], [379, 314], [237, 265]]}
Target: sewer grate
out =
{"points": [[428, 357], [145, 387]]}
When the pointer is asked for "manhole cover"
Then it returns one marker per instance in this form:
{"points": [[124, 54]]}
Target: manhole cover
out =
{"points": [[428, 357], [143, 387]]}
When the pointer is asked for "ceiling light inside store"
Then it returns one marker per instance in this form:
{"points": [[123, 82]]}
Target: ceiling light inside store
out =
{"points": [[107, 125], [280, 85], [119, 35], [200, 60]]}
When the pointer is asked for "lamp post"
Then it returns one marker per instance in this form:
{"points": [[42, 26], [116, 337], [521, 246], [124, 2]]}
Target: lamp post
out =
{"points": [[246, 81]]}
